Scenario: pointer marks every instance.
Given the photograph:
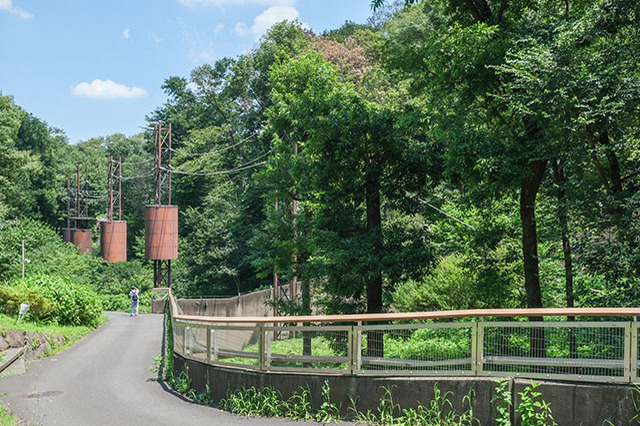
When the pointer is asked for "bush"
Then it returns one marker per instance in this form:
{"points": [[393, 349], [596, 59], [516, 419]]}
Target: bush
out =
{"points": [[47, 252], [121, 302], [449, 286], [11, 298], [74, 304]]}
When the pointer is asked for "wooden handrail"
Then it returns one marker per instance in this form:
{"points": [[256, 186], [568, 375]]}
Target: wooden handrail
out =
{"points": [[398, 316]]}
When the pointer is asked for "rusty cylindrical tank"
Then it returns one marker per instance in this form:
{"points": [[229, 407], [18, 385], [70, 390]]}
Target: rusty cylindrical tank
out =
{"points": [[66, 234], [161, 232], [113, 241], [82, 239]]}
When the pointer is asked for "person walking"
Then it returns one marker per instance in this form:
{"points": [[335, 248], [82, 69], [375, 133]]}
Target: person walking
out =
{"points": [[133, 294]]}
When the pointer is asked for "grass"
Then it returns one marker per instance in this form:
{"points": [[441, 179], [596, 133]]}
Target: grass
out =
{"points": [[320, 346], [72, 333], [7, 418]]}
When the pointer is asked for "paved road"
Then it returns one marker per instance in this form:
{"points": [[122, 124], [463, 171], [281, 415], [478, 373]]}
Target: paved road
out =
{"points": [[105, 380]]}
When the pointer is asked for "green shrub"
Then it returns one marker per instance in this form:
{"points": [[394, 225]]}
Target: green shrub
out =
{"points": [[122, 302], [47, 252], [73, 303], [115, 302], [449, 286], [11, 298]]}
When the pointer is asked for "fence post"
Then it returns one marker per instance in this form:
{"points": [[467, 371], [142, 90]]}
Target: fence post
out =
{"points": [[184, 341], [357, 348], [474, 349], [261, 338], [477, 345], [208, 344], [350, 350], [216, 356], [630, 351], [267, 360], [634, 351]]}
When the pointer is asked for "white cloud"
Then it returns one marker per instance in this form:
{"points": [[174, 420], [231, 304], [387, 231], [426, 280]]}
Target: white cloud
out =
{"points": [[219, 28], [221, 3], [272, 16], [201, 55], [126, 33], [107, 89], [241, 29], [155, 38], [9, 7]]}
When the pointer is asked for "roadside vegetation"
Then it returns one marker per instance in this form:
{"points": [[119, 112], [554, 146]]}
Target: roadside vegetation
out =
{"points": [[6, 418], [440, 411], [61, 285]]}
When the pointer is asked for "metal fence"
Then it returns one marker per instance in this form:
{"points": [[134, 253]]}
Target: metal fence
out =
{"points": [[598, 350]]}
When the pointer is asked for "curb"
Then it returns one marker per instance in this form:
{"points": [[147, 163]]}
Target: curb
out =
{"points": [[13, 354]]}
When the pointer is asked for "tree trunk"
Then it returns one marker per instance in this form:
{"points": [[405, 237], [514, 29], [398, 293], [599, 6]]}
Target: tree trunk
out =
{"points": [[561, 179], [305, 296], [528, 191], [375, 345]]}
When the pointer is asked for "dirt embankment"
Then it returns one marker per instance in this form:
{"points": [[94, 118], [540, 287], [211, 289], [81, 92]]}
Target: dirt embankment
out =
{"points": [[36, 345]]}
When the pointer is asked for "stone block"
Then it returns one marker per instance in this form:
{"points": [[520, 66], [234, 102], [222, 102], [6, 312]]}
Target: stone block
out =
{"points": [[14, 338]]}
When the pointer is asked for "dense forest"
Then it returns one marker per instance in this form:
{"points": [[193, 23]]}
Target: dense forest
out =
{"points": [[448, 154]]}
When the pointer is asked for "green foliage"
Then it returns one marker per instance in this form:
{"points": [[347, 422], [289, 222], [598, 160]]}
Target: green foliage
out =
{"points": [[265, 402], [181, 382], [122, 302], [7, 418], [426, 340], [439, 411], [269, 402], [74, 304], [503, 399], [329, 411], [299, 404], [449, 286], [11, 298], [534, 410], [47, 253]]}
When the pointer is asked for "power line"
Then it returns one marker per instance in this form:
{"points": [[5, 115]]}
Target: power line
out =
{"points": [[138, 177], [198, 154], [238, 169], [440, 210], [241, 167]]}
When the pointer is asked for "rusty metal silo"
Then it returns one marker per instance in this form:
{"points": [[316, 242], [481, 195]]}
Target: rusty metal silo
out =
{"points": [[82, 239], [161, 232], [66, 234], [113, 241]]}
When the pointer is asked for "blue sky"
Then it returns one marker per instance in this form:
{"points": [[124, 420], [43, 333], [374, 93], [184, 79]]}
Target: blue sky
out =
{"points": [[93, 68]]}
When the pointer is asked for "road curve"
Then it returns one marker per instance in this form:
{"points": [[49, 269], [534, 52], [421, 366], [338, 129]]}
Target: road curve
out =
{"points": [[105, 380]]}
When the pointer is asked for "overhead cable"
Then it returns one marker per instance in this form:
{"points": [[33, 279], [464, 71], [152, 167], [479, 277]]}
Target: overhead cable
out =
{"points": [[138, 177], [198, 154], [241, 167], [440, 210]]}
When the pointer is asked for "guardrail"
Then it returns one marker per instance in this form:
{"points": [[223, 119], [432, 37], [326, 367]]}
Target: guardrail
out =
{"points": [[431, 345]]}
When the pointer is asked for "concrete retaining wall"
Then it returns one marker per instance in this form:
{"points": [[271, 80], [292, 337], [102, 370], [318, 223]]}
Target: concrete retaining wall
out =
{"points": [[572, 403], [247, 305]]}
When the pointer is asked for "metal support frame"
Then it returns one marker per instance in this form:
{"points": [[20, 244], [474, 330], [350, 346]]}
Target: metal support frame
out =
{"points": [[162, 181], [114, 197], [80, 195], [69, 197], [162, 273], [162, 164]]}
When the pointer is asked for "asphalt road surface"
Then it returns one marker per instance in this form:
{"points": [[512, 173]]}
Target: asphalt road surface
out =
{"points": [[105, 380]]}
